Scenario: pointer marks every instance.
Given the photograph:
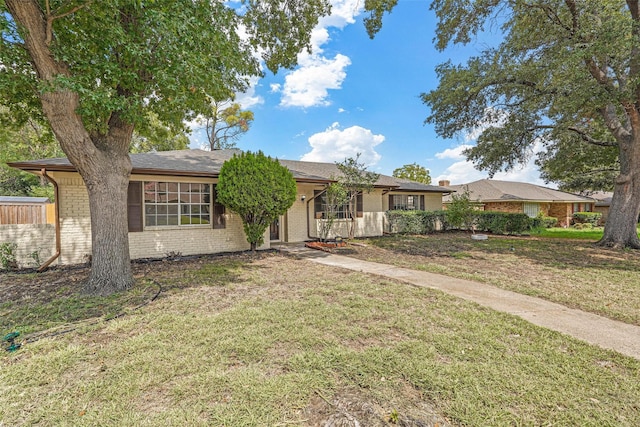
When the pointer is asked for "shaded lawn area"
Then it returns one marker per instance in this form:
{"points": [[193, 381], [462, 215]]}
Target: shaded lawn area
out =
{"points": [[575, 273], [276, 341]]}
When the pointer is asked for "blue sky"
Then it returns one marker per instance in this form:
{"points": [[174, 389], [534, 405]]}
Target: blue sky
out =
{"points": [[356, 95]]}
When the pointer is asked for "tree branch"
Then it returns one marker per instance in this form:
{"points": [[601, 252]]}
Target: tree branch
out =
{"points": [[52, 16], [587, 138], [583, 135], [619, 131]]}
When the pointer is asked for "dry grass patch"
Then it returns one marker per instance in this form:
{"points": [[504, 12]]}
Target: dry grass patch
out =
{"points": [[283, 342], [574, 273]]}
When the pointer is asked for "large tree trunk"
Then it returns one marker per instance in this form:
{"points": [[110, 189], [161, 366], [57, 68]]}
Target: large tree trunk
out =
{"points": [[101, 159], [620, 229], [110, 262]]}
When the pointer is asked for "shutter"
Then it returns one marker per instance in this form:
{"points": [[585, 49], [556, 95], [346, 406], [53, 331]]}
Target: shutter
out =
{"points": [[219, 211], [390, 202], [421, 202], [359, 210], [134, 206]]}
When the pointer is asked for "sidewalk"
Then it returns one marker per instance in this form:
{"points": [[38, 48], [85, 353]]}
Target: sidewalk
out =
{"points": [[611, 334]]}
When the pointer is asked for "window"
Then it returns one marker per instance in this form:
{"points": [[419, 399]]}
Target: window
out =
{"points": [[176, 203], [406, 202], [531, 209], [320, 206]]}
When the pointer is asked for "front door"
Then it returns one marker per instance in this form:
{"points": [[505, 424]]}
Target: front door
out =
{"points": [[274, 230]]}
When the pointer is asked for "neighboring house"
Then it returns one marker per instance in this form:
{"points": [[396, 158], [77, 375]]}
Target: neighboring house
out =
{"points": [[603, 202], [522, 197], [173, 208], [25, 210]]}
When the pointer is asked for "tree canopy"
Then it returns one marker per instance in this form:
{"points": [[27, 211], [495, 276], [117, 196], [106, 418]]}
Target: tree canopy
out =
{"points": [[95, 70], [257, 188], [156, 136], [413, 172], [564, 79], [28, 139]]}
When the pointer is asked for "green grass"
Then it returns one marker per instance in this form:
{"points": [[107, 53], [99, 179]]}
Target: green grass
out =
{"points": [[594, 234], [253, 344]]}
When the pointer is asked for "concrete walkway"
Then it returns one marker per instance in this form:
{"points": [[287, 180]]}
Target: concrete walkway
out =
{"points": [[618, 336]]}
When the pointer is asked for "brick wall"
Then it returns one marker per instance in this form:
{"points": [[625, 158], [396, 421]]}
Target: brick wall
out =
{"points": [[511, 207], [75, 220], [562, 211], [296, 217], [75, 224], [30, 238], [190, 240], [75, 229]]}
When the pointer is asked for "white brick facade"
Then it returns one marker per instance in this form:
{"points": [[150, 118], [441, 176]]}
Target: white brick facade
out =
{"points": [[297, 225], [31, 239]]}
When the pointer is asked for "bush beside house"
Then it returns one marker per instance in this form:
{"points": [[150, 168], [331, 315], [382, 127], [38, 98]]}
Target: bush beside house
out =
{"points": [[422, 222]]}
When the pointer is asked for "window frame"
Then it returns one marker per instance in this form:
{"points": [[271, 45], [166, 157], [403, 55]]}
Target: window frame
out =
{"points": [[166, 204], [417, 202], [319, 201]]}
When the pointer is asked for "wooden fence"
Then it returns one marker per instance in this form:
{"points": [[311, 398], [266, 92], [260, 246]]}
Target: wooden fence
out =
{"points": [[27, 214]]}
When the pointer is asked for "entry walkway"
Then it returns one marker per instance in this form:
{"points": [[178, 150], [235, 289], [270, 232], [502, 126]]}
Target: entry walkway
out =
{"points": [[621, 337]]}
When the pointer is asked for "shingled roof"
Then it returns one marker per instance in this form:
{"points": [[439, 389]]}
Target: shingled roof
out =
{"points": [[200, 163], [489, 190]]}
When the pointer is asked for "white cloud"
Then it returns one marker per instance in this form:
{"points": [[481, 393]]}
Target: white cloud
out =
{"points": [[462, 171], [248, 98], [335, 145], [309, 84], [453, 153]]}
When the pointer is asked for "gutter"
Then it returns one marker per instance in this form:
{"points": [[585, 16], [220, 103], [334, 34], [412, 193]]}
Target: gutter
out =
{"points": [[56, 193]]}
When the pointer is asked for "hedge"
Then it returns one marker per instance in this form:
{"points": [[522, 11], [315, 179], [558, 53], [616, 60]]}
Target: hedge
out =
{"points": [[587, 217], [425, 222]]}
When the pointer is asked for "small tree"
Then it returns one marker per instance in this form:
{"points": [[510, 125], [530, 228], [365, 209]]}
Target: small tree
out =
{"points": [[460, 211], [259, 189], [357, 180], [335, 196], [413, 172], [225, 123]]}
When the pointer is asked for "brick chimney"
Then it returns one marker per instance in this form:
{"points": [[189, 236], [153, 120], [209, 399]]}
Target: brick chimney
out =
{"points": [[444, 183]]}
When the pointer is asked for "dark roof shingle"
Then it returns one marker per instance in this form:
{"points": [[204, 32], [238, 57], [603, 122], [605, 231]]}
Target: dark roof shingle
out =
{"points": [[208, 163]]}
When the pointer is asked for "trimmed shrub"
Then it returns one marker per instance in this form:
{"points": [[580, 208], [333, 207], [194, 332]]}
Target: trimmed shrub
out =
{"points": [[544, 222], [417, 222], [425, 222], [502, 222], [433, 221], [587, 218], [405, 222]]}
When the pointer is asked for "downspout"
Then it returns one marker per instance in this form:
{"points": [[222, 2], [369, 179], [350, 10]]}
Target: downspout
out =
{"points": [[308, 221], [56, 193]]}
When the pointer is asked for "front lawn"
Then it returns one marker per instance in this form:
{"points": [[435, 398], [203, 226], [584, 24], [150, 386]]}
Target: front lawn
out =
{"points": [[575, 273], [275, 341], [593, 234]]}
